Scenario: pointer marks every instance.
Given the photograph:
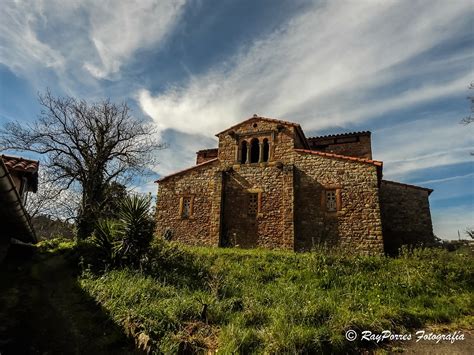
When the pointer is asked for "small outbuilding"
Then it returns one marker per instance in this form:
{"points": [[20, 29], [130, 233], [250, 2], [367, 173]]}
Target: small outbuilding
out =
{"points": [[18, 178]]}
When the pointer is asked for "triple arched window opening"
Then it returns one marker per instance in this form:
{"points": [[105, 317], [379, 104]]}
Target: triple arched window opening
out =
{"points": [[255, 151]]}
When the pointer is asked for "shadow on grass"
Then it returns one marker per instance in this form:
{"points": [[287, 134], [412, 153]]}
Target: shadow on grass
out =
{"points": [[44, 310]]}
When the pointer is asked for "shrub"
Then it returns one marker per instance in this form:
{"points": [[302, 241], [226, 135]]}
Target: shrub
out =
{"points": [[125, 241]]}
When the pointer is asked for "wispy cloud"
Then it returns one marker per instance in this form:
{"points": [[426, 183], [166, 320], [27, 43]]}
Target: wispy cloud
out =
{"points": [[435, 141], [451, 178], [322, 68], [20, 47], [76, 38], [119, 28]]}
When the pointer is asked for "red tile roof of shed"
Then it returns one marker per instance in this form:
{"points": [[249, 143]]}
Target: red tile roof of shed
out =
{"points": [[20, 164]]}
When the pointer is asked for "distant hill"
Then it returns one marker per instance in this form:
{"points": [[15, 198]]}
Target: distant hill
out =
{"points": [[48, 228]]}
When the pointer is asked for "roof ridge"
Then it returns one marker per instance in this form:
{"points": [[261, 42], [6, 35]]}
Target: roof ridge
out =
{"points": [[207, 150], [20, 163], [185, 170], [339, 156], [409, 185], [276, 120], [20, 158], [340, 134]]}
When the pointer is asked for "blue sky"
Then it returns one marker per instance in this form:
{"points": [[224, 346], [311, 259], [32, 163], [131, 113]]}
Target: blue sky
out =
{"points": [[397, 68]]}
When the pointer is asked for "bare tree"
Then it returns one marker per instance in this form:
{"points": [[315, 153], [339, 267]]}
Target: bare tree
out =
{"points": [[52, 200], [91, 145], [470, 232]]}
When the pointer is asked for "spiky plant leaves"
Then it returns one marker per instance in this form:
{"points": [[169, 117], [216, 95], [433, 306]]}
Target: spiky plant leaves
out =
{"points": [[106, 237], [137, 228]]}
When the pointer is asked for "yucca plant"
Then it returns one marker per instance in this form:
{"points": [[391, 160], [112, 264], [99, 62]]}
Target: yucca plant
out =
{"points": [[106, 237], [125, 240], [136, 227]]}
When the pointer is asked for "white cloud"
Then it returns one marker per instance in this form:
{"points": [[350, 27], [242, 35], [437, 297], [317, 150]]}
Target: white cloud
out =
{"points": [[20, 47], [182, 151], [422, 144], [321, 68], [118, 29], [443, 180], [73, 36]]}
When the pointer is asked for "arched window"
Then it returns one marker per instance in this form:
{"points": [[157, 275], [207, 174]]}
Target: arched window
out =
{"points": [[254, 151], [243, 152], [266, 150]]}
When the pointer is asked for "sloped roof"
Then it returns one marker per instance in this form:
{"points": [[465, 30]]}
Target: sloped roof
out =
{"points": [[26, 167], [408, 185], [186, 170], [298, 128], [343, 135], [20, 164], [261, 119], [338, 156], [207, 150], [14, 219]]}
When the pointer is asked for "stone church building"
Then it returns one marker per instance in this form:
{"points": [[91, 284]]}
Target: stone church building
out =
{"points": [[269, 186]]}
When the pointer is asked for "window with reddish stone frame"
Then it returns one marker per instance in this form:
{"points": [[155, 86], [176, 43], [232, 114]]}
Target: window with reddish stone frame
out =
{"points": [[331, 200], [186, 204]]}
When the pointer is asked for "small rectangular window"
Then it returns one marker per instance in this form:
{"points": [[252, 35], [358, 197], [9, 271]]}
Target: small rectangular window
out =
{"points": [[331, 201], [253, 204], [23, 186], [186, 206]]}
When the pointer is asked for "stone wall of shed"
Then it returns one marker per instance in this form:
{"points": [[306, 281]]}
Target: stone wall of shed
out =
{"points": [[203, 227], [406, 215], [357, 226]]}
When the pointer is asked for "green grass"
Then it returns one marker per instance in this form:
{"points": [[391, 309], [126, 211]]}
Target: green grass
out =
{"points": [[241, 301]]}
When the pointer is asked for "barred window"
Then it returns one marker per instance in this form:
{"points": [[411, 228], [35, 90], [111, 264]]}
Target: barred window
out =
{"points": [[186, 206], [331, 204], [253, 204]]}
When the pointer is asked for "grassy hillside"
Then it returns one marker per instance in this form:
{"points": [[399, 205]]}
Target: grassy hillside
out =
{"points": [[191, 299]]}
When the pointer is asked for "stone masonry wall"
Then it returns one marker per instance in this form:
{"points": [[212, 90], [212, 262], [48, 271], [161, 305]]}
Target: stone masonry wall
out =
{"points": [[356, 145], [357, 226], [271, 227], [282, 141], [205, 155], [406, 215], [203, 183], [291, 189]]}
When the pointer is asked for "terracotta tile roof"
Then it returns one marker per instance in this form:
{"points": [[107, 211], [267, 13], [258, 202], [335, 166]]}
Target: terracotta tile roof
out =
{"points": [[260, 118], [342, 135], [186, 170], [256, 117], [408, 185], [338, 156], [207, 150], [20, 164]]}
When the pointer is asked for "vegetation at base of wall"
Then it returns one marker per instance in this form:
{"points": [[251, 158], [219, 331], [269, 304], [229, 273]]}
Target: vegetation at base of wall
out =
{"points": [[259, 301]]}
